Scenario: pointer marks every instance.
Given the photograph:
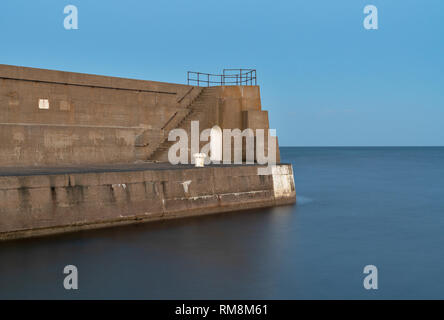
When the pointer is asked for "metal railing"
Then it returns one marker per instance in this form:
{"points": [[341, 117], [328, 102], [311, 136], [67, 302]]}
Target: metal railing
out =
{"points": [[229, 77]]}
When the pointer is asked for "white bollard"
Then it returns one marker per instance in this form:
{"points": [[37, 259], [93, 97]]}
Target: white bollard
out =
{"points": [[199, 159]]}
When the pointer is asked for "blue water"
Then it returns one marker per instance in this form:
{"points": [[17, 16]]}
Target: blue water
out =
{"points": [[356, 206]]}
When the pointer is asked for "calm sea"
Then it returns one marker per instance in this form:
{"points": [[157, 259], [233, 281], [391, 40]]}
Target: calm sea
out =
{"points": [[356, 207]]}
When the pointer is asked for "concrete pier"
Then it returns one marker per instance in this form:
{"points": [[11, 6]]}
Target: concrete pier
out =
{"points": [[80, 151], [42, 201]]}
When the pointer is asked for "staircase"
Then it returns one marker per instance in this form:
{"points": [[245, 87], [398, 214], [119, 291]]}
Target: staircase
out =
{"points": [[195, 111]]}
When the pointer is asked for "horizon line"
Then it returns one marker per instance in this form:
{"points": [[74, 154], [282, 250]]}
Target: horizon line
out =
{"points": [[361, 146]]}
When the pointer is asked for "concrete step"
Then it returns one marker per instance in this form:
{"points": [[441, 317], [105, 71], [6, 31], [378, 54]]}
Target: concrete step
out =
{"points": [[197, 109]]}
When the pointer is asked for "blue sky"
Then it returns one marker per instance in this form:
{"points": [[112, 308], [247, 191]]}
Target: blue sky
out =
{"points": [[325, 80]]}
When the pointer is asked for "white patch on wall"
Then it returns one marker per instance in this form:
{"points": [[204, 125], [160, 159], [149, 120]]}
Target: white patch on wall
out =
{"points": [[118, 185], [283, 181], [185, 185], [43, 104]]}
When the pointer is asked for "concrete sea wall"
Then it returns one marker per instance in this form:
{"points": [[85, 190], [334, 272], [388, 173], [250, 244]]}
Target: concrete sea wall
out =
{"points": [[82, 151], [89, 119], [42, 204], [52, 117]]}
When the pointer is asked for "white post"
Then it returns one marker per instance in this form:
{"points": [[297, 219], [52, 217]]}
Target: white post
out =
{"points": [[199, 159]]}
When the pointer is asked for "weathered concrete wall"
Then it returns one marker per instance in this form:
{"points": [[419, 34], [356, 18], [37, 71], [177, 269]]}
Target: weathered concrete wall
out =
{"points": [[229, 107], [95, 119], [240, 107], [45, 204], [91, 119]]}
